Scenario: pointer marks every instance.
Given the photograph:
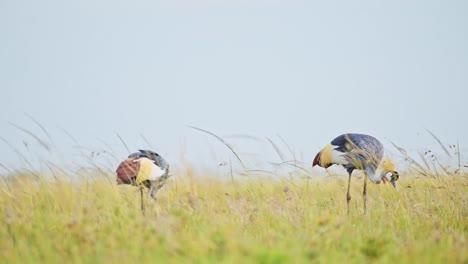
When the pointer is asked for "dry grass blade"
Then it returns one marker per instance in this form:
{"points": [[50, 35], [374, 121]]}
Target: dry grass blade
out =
{"points": [[440, 142], [442, 167], [287, 146], [6, 183], [38, 139], [146, 141], [17, 152], [69, 135], [41, 127], [423, 158], [51, 165], [5, 168], [52, 171], [265, 171], [459, 158], [33, 173], [123, 142], [290, 164], [244, 136], [222, 141], [278, 151], [293, 155], [230, 169], [110, 152], [414, 162]]}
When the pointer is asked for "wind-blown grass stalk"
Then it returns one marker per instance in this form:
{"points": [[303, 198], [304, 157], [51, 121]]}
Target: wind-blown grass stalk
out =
{"points": [[17, 152], [291, 151], [412, 161], [146, 141], [69, 135], [123, 142], [44, 130], [222, 141], [423, 158], [459, 158], [37, 138], [276, 148], [292, 163], [440, 143]]}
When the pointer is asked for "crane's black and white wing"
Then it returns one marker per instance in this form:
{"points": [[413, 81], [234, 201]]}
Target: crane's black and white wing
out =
{"points": [[155, 157], [358, 149]]}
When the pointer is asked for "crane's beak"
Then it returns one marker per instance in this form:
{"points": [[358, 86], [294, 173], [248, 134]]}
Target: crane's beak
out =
{"points": [[393, 183]]}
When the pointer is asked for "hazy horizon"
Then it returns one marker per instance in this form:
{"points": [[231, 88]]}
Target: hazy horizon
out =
{"points": [[306, 71]]}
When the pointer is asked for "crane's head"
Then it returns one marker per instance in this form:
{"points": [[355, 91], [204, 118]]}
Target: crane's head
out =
{"points": [[325, 157], [392, 177], [388, 172]]}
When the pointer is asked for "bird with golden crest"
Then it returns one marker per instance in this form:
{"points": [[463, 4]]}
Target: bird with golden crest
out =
{"points": [[144, 168], [358, 152]]}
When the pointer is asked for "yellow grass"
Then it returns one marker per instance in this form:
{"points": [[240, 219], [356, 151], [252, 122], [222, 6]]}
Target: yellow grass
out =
{"points": [[207, 220]]}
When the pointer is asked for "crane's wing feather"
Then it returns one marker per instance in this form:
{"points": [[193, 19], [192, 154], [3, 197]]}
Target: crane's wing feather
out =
{"points": [[360, 149], [343, 143], [127, 171], [155, 157]]}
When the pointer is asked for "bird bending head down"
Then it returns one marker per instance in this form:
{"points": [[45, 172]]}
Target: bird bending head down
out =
{"points": [[357, 152], [145, 168], [389, 174]]}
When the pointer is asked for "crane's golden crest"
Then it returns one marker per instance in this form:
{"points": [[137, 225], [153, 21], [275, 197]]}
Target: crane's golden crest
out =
{"points": [[387, 164], [146, 166], [326, 156], [358, 152]]}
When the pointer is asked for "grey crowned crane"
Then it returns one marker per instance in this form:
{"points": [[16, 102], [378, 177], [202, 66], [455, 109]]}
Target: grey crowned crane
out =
{"points": [[358, 152], [144, 168]]}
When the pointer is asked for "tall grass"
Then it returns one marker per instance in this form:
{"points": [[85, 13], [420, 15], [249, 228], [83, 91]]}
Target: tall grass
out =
{"points": [[206, 219], [273, 216]]}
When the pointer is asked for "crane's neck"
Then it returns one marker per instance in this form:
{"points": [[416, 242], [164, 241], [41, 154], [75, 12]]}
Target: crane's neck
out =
{"points": [[388, 178], [370, 171]]}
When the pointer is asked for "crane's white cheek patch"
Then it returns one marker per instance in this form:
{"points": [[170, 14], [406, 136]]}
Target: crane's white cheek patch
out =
{"points": [[388, 176], [339, 157], [156, 172]]}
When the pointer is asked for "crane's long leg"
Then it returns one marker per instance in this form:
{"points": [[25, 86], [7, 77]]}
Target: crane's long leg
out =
{"points": [[150, 190], [348, 196], [142, 202], [364, 194]]}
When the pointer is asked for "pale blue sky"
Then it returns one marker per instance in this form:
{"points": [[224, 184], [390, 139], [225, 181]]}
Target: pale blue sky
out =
{"points": [[306, 70]]}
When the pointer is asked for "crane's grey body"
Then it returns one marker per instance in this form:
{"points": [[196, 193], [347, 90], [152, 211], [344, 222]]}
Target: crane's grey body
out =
{"points": [[128, 170], [155, 157], [159, 161], [363, 152], [355, 152]]}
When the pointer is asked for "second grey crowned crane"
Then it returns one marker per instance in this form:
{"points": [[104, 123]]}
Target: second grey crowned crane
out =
{"points": [[357, 152], [144, 168]]}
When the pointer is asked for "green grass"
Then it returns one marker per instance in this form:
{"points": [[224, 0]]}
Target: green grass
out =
{"points": [[207, 220]]}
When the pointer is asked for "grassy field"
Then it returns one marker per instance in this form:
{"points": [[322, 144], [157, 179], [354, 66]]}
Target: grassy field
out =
{"points": [[207, 220]]}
